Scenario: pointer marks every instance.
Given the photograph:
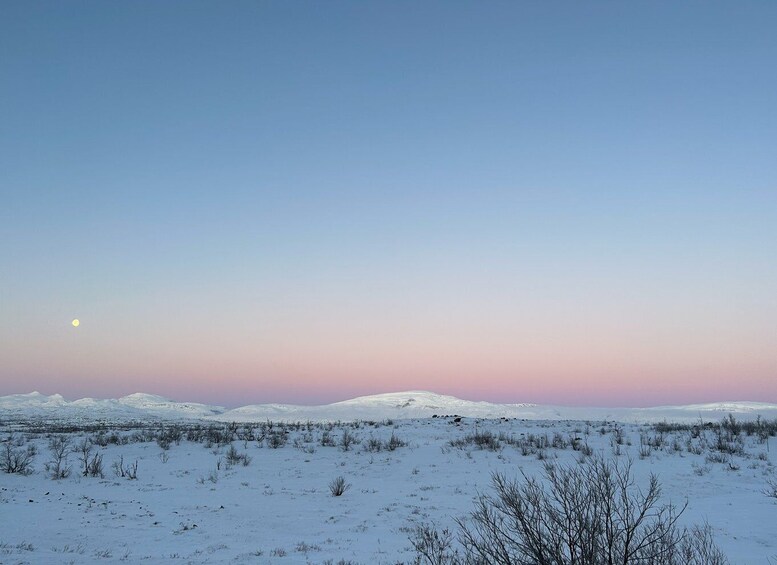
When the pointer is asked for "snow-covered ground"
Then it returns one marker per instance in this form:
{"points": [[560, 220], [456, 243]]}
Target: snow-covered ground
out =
{"points": [[189, 505]]}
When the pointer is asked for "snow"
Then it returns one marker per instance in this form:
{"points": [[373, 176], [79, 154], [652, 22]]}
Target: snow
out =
{"points": [[30, 401], [396, 405], [278, 509], [133, 407]]}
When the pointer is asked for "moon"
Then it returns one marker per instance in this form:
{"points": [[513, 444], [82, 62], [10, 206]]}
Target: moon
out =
{"points": [[76, 323]]}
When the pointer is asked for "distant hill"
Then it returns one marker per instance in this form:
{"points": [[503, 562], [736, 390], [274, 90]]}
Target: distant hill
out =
{"points": [[394, 405]]}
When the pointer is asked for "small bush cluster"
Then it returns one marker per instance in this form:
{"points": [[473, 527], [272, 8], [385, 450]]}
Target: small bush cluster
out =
{"points": [[480, 439], [169, 435], [236, 458], [375, 445], [529, 444], [91, 463], [719, 443], [129, 471], [276, 439], [347, 440]]}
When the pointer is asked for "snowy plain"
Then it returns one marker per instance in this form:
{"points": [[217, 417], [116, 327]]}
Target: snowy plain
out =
{"points": [[188, 504]]}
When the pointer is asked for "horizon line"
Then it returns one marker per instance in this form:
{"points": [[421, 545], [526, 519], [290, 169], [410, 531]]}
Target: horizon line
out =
{"points": [[387, 393]]}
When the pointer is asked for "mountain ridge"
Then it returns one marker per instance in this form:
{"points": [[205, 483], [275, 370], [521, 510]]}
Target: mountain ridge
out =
{"points": [[391, 405]]}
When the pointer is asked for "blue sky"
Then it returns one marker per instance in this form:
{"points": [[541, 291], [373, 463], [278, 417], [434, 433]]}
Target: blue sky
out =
{"points": [[303, 201]]}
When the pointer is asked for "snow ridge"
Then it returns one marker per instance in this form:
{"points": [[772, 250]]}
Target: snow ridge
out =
{"points": [[393, 405], [132, 407]]}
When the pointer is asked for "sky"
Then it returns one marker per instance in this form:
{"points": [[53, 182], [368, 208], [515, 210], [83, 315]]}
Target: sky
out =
{"points": [[249, 202]]}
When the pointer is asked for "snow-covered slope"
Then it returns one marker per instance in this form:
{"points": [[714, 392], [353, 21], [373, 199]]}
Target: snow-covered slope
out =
{"points": [[134, 406], [422, 404], [395, 405], [31, 401]]}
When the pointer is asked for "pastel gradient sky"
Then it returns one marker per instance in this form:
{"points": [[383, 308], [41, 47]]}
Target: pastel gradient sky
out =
{"points": [[248, 202]]}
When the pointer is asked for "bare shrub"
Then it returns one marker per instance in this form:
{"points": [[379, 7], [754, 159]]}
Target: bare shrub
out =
{"points": [[14, 458], [700, 470], [95, 466], [132, 471], [717, 457], [698, 548], [246, 434], [118, 467], [7, 548], [57, 468], [480, 439], [338, 486], [277, 439], [373, 444], [91, 464], [727, 438], [169, 435], [771, 487], [645, 447], [485, 440], [558, 441], [433, 547], [589, 514], [234, 457], [347, 440], [84, 450], [129, 472], [395, 442]]}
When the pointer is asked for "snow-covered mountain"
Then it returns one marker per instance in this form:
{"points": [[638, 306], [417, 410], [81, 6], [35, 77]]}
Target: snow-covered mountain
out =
{"points": [[395, 405], [422, 404], [132, 407]]}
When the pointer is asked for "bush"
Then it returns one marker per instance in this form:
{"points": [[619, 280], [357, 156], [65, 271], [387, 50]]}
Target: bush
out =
{"points": [[480, 439], [375, 444], [276, 439], [433, 547], [95, 466], [338, 486], [234, 457], [16, 459], [347, 440], [589, 514], [169, 435], [771, 488], [57, 468], [129, 472], [394, 442]]}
